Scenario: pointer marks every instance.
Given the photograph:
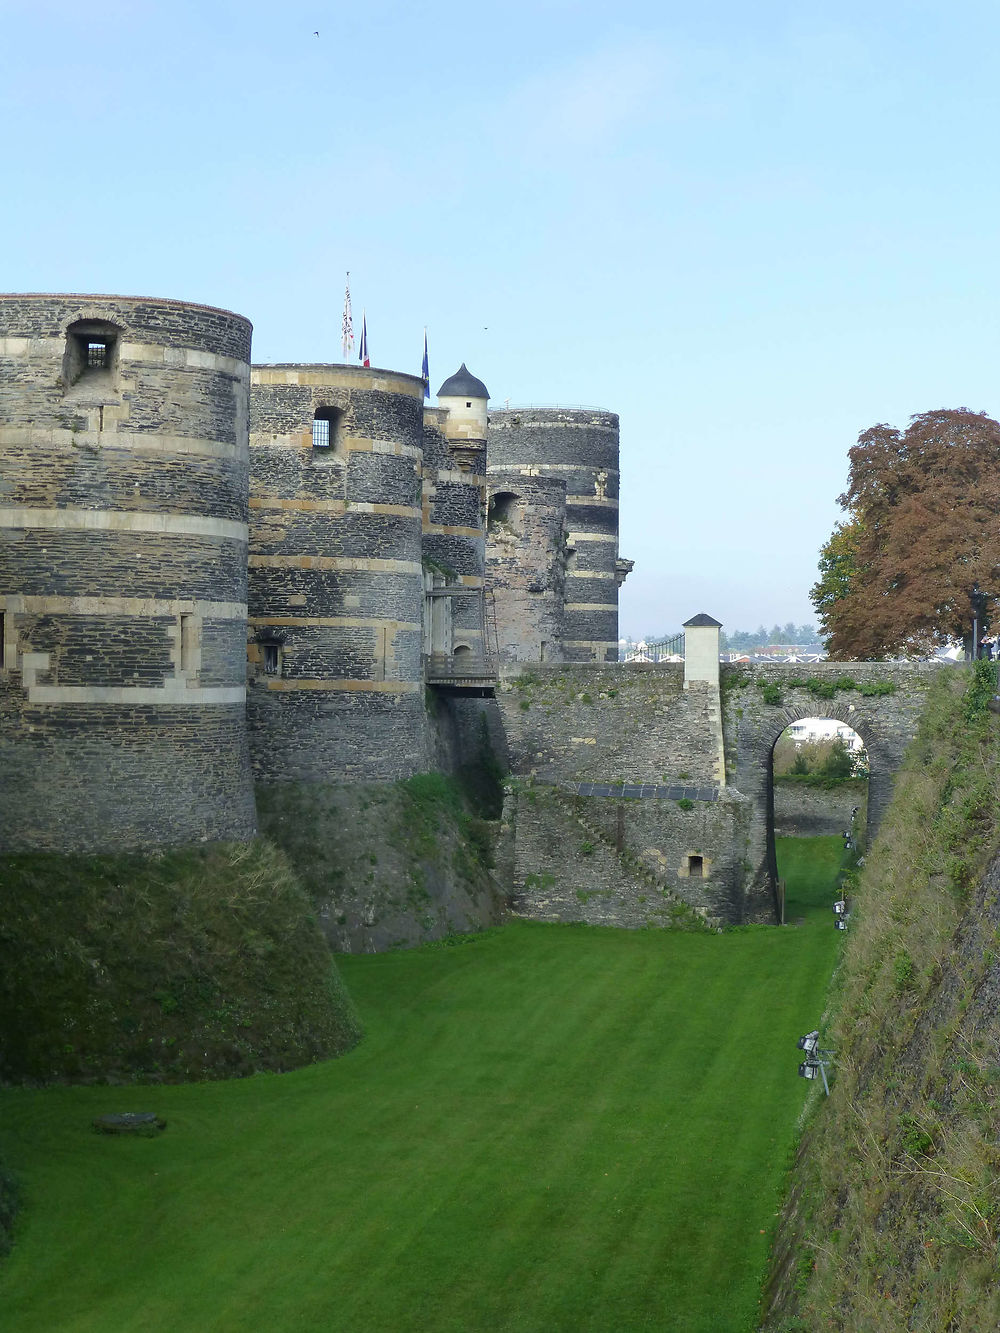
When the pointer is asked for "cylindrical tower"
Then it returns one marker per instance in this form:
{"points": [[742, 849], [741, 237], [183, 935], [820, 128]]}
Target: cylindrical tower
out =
{"points": [[580, 448], [526, 563], [336, 586], [123, 550]]}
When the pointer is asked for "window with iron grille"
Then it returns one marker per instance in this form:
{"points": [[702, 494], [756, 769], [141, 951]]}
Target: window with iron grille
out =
{"points": [[324, 427]]}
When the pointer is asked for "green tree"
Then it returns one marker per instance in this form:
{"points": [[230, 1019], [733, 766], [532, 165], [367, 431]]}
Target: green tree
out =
{"points": [[839, 762]]}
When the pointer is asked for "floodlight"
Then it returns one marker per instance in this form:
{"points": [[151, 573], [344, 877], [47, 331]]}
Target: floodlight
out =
{"points": [[808, 1069], [809, 1042]]}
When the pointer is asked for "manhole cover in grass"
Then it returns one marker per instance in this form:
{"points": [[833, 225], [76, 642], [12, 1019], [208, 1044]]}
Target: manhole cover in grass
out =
{"points": [[145, 1123]]}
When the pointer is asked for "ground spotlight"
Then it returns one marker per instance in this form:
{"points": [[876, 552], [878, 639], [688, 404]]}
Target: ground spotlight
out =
{"points": [[816, 1062]]}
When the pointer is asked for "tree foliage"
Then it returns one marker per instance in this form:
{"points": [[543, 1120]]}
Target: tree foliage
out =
{"points": [[922, 533]]}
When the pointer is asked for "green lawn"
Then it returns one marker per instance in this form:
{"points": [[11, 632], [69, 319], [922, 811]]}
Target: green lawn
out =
{"points": [[547, 1128]]}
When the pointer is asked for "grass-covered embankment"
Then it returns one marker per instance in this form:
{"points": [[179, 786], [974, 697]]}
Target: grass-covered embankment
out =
{"points": [[894, 1218], [386, 865], [549, 1129], [196, 963]]}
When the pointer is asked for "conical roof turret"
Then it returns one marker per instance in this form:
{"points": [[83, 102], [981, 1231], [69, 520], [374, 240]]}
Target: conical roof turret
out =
{"points": [[463, 384]]}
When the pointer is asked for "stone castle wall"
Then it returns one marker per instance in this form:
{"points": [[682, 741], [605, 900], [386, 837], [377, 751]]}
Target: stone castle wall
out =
{"points": [[631, 725], [526, 546], [335, 575], [579, 448], [886, 724], [123, 558], [631, 722], [454, 541]]}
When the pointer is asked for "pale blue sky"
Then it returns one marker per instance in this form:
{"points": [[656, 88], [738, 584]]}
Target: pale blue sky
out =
{"points": [[752, 230]]}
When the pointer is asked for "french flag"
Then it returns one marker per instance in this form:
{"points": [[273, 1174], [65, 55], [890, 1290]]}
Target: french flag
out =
{"points": [[363, 353]]}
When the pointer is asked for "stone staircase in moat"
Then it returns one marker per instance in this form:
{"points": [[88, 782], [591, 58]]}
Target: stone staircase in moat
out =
{"points": [[629, 865]]}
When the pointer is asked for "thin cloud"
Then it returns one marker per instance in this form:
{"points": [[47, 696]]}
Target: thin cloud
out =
{"points": [[587, 105]]}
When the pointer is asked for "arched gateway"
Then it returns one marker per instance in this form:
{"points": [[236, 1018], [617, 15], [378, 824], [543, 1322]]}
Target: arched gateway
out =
{"points": [[881, 701]]}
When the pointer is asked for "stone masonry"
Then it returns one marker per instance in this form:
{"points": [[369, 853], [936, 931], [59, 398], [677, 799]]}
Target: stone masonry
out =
{"points": [[123, 565], [578, 448]]}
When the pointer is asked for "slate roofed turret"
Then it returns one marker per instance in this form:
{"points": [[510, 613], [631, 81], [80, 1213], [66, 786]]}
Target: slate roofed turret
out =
{"points": [[463, 384], [700, 620]]}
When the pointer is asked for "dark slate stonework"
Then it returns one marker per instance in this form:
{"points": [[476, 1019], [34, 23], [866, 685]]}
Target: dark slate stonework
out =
{"points": [[345, 735], [165, 322], [128, 492], [349, 700], [579, 448], [526, 567], [85, 563], [92, 778], [885, 723], [89, 476]]}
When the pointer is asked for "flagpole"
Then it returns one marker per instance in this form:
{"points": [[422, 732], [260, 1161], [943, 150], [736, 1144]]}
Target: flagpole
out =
{"points": [[347, 325]]}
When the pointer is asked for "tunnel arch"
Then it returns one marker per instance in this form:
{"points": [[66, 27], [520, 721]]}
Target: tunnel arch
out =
{"points": [[881, 701]]}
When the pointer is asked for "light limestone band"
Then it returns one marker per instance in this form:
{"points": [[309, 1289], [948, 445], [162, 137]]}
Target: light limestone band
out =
{"points": [[268, 503], [148, 353], [174, 693], [123, 440], [336, 622], [348, 563], [338, 685], [121, 520], [122, 606]]}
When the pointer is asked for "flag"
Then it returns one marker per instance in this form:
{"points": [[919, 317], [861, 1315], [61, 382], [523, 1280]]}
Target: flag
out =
{"points": [[347, 328], [425, 370], [363, 353]]}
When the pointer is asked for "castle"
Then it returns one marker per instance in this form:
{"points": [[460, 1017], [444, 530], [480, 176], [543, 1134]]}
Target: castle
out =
{"points": [[215, 574]]}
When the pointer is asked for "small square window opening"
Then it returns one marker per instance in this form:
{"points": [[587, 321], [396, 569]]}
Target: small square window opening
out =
{"points": [[97, 355]]}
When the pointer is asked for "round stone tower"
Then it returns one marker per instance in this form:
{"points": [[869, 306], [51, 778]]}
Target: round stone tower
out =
{"points": [[526, 563], [123, 550], [336, 587], [580, 448]]}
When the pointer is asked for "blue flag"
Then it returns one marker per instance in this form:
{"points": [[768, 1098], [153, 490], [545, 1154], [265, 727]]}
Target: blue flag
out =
{"points": [[425, 370]]}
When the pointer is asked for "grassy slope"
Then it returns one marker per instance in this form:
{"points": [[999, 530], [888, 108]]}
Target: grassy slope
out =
{"points": [[193, 963], [896, 1211], [547, 1128]]}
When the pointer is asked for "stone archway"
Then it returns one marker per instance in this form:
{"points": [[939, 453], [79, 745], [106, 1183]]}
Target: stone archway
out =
{"points": [[760, 703]]}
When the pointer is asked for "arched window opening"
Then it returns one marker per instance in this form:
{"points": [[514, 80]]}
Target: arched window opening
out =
{"points": [[325, 427], [503, 513]]}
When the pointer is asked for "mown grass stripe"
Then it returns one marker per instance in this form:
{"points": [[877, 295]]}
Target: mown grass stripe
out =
{"points": [[547, 1129]]}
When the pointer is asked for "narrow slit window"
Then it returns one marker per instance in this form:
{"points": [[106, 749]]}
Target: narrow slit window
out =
{"points": [[189, 643], [272, 659]]}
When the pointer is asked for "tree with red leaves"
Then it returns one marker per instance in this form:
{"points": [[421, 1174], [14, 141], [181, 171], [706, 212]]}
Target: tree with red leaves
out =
{"points": [[921, 541]]}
